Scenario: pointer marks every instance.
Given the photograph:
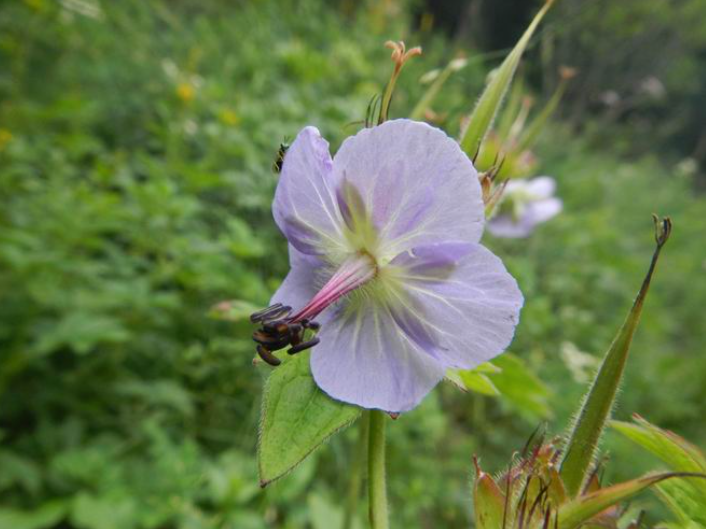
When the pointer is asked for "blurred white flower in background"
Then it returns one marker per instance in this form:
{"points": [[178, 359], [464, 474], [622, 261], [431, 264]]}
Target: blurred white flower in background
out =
{"points": [[524, 205]]}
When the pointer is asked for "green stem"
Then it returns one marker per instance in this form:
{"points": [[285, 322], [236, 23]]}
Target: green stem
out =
{"points": [[377, 493], [387, 96], [356, 478]]}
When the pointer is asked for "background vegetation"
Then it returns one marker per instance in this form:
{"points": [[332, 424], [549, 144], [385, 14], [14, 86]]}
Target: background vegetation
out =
{"points": [[136, 140]]}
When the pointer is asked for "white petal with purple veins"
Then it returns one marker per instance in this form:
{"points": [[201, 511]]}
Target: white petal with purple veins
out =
{"points": [[305, 206], [364, 358], [384, 254], [416, 182], [306, 276], [472, 313]]}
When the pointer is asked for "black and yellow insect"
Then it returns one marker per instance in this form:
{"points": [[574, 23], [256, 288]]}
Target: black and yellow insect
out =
{"points": [[279, 159]]}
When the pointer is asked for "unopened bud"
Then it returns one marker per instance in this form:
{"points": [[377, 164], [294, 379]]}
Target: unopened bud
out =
{"points": [[488, 499]]}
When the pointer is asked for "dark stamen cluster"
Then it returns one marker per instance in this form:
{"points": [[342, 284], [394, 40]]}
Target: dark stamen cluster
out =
{"points": [[277, 332]]}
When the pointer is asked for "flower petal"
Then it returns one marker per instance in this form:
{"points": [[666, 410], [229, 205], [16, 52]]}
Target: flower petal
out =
{"points": [[541, 186], [432, 261], [419, 186], [306, 276], [533, 213], [472, 314], [543, 210], [365, 359], [305, 206], [507, 227]]}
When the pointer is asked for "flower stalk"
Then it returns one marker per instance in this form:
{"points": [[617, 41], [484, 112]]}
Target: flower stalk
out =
{"points": [[377, 490], [400, 55]]}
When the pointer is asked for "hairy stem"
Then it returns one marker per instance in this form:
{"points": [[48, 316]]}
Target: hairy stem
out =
{"points": [[377, 492]]}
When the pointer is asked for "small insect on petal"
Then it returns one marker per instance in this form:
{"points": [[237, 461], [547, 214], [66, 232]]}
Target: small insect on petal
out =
{"points": [[279, 158]]}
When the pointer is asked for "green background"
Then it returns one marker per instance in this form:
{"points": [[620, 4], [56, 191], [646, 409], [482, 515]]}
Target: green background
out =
{"points": [[136, 141]]}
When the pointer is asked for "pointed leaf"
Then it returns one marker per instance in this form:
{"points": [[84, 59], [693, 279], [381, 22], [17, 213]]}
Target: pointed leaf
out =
{"points": [[686, 498], [596, 407], [490, 101], [521, 387], [674, 450], [479, 383], [296, 418], [581, 509], [508, 114], [472, 380]]}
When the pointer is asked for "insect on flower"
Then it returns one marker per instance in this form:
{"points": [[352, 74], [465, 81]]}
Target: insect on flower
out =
{"points": [[279, 158], [385, 255]]}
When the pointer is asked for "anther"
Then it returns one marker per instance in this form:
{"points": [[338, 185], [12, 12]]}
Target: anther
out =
{"points": [[273, 343], [303, 346], [272, 312], [267, 356], [313, 325], [277, 326]]}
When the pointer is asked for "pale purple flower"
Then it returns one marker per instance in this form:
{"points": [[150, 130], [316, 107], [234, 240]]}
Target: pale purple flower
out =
{"points": [[524, 205], [384, 252]]}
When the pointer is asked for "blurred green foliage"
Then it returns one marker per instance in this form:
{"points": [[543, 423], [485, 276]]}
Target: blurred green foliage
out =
{"points": [[136, 141], [636, 60]]}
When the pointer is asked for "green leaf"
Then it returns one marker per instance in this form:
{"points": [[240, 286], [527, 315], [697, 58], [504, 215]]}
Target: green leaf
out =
{"points": [[475, 379], [573, 514], [297, 417], [479, 383], [48, 515], [596, 407], [490, 101], [686, 498], [507, 377], [520, 387]]}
